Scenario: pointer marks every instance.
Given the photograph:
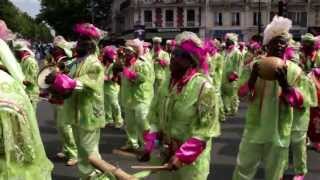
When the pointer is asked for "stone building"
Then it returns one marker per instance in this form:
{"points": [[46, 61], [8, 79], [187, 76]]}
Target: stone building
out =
{"points": [[208, 18]]}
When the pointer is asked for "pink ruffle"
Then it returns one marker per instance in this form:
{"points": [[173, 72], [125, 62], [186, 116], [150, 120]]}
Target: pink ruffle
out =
{"points": [[244, 90], [190, 150], [233, 76], [131, 75], [63, 84], [293, 97], [149, 140], [163, 63]]}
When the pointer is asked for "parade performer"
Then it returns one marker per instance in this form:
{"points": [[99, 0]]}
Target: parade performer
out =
{"points": [[62, 57], [170, 45], [231, 73], [29, 67], [314, 125], [161, 60], [111, 86], [87, 97], [310, 54], [186, 117], [216, 65], [254, 50], [269, 117], [22, 155], [136, 93]]}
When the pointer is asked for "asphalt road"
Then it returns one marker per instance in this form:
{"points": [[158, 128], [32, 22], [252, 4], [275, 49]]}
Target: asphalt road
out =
{"points": [[223, 159]]}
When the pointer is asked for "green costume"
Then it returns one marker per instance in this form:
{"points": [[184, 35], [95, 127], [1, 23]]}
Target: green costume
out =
{"points": [[160, 72], [310, 62], [193, 112], [136, 97], [22, 155], [30, 70], [229, 90], [216, 63], [88, 112], [301, 118], [267, 132], [111, 98]]}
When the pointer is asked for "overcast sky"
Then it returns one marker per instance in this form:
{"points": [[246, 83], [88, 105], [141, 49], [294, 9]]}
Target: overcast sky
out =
{"points": [[32, 7]]}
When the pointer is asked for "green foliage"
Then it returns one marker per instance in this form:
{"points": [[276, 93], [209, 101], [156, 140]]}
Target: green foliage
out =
{"points": [[62, 15], [22, 23]]}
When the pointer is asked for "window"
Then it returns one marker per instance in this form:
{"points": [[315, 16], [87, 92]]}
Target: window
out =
{"points": [[148, 18], [190, 17], [169, 18], [235, 19], [298, 18], [218, 19], [256, 18]]}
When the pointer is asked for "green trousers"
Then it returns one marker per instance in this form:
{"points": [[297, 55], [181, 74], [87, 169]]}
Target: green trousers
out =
{"points": [[199, 170], [112, 109], [136, 123], [230, 99], [65, 132], [251, 155], [222, 116], [299, 152], [87, 144]]}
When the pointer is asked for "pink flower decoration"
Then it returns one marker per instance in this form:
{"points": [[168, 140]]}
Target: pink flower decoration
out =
{"points": [[244, 90], [316, 72], [88, 30], [110, 52], [131, 75], [163, 63], [289, 53], [63, 84], [293, 97], [190, 150], [233, 76]]}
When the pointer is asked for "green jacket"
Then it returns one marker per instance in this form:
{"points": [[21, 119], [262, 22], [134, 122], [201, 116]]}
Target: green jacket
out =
{"points": [[160, 72], [139, 90], [22, 154], [89, 101], [216, 65], [111, 88]]}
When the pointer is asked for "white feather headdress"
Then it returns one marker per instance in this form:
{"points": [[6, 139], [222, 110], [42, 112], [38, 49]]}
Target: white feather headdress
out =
{"points": [[279, 26], [186, 35]]}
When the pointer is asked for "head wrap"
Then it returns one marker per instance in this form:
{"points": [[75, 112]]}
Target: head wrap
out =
{"points": [[5, 32], [232, 37], [308, 37], [66, 46], [210, 46], [109, 51], [279, 26], [89, 31], [157, 40], [171, 42], [192, 44], [135, 45], [22, 45]]}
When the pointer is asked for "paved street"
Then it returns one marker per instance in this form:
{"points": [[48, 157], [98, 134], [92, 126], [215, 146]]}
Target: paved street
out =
{"points": [[224, 153]]}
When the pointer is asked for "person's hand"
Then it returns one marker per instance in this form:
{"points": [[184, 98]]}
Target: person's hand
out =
{"points": [[253, 76], [281, 75]]}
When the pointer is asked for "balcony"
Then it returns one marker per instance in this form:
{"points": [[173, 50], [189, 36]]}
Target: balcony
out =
{"points": [[191, 23], [148, 24], [169, 24]]}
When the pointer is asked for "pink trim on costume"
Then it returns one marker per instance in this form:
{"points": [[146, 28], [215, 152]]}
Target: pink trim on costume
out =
{"points": [[180, 83], [190, 150], [63, 84], [149, 140], [244, 90], [163, 63], [293, 97], [288, 54], [129, 74]]}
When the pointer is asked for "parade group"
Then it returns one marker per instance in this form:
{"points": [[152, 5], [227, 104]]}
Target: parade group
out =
{"points": [[169, 99]]}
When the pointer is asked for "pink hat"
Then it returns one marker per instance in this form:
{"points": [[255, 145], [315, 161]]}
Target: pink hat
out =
{"points": [[109, 51], [210, 46], [5, 33], [88, 30]]}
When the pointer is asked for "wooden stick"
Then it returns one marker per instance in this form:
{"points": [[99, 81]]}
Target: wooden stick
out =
{"points": [[123, 153], [152, 168], [109, 168]]}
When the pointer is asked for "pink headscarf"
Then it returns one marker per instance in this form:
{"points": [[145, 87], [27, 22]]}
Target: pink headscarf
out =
{"points": [[109, 51], [210, 47], [88, 30]]}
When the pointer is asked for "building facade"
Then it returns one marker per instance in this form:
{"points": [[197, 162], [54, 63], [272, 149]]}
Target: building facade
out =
{"points": [[208, 18]]}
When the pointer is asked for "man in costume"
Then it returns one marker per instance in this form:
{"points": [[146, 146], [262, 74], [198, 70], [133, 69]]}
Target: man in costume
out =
{"points": [[136, 93], [216, 64], [269, 116], [111, 86], [22, 155], [62, 57], [161, 60], [87, 98], [185, 118], [231, 73], [310, 54], [29, 67], [170, 45]]}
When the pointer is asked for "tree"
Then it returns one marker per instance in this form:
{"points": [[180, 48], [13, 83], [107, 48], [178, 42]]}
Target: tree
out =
{"points": [[62, 15]]}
